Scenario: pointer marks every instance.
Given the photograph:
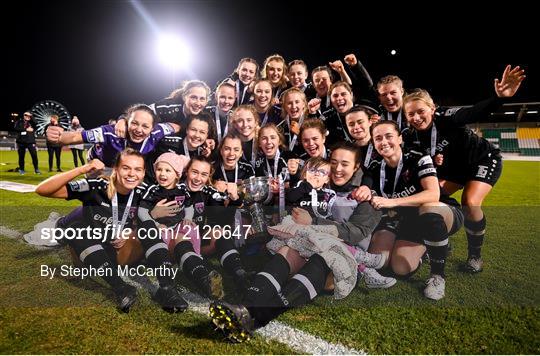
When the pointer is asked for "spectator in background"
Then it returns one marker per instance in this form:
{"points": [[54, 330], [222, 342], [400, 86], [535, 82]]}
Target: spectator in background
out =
{"points": [[53, 148], [77, 150], [26, 139]]}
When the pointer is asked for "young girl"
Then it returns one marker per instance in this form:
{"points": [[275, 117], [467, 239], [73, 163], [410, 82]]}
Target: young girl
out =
{"points": [[170, 212], [314, 195], [310, 193], [114, 199], [167, 206]]}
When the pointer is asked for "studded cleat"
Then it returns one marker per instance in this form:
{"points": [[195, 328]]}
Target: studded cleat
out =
{"points": [[234, 321], [170, 300], [474, 264], [126, 296]]}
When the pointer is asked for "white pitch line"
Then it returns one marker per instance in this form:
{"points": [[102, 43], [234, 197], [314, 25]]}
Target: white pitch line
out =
{"points": [[304, 342], [297, 340]]}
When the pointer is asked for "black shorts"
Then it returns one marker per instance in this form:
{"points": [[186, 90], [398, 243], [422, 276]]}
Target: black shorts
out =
{"points": [[403, 223], [487, 170], [406, 226]]}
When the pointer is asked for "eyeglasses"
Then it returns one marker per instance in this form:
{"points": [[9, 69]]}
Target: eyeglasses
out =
{"points": [[318, 172], [27, 115]]}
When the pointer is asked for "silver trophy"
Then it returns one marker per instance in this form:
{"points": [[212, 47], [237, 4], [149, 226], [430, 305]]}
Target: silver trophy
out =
{"points": [[257, 193]]}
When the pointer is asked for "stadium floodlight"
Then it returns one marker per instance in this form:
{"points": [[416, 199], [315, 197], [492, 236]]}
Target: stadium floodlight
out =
{"points": [[173, 52]]}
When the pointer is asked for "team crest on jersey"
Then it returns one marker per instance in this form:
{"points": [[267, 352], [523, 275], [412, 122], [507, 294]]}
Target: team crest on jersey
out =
{"points": [[180, 199], [132, 212], [199, 207]]}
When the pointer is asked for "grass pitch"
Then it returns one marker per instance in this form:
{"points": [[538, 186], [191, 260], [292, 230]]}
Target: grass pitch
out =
{"points": [[496, 311]]}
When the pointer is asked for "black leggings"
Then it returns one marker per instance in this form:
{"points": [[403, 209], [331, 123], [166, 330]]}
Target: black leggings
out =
{"points": [[76, 152], [56, 151], [21, 149]]}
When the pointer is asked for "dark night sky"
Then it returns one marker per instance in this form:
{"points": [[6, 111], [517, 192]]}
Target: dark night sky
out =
{"points": [[97, 57]]}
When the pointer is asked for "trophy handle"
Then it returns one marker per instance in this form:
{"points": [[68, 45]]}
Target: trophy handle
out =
{"points": [[269, 197]]}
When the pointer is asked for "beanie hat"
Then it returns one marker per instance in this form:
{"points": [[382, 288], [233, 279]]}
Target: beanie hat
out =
{"points": [[177, 162]]}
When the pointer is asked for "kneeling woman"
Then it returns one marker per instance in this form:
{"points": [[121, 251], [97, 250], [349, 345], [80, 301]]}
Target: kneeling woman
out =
{"points": [[415, 215], [465, 160], [114, 198]]}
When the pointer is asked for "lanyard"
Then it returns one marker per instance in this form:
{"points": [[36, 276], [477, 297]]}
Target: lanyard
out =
{"points": [[383, 176], [368, 155], [292, 143], [186, 150], [240, 100], [114, 204], [278, 91], [389, 116], [253, 153], [218, 124], [225, 173], [343, 128], [276, 162], [433, 146], [265, 118], [281, 183]]}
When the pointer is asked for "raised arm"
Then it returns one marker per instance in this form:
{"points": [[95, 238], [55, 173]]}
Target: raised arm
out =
{"points": [[510, 82], [506, 87], [359, 74], [340, 68], [55, 186], [56, 134]]}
